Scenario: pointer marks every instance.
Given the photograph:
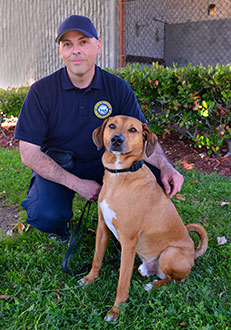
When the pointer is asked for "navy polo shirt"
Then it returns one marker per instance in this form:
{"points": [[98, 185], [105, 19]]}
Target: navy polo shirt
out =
{"points": [[55, 113]]}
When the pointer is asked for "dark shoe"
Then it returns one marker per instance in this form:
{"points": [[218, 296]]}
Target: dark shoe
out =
{"points": [[62, 239]]}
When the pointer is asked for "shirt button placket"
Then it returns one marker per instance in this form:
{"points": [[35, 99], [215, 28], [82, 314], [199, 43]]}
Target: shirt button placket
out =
{"points": [[84, 100], [82, 113]]}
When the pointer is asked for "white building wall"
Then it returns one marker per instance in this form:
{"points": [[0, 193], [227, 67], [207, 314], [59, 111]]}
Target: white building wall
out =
{"points": [[28, 28]]}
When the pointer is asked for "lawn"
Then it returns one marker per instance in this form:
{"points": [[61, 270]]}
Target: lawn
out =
{"points": [[39, 295]]}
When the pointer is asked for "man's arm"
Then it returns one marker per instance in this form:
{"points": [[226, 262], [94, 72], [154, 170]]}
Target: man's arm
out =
{"points": [[47, 168], [168, 172]]}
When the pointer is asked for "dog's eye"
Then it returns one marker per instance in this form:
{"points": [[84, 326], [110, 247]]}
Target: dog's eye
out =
{"points": [[112, 126], [132, 130]]}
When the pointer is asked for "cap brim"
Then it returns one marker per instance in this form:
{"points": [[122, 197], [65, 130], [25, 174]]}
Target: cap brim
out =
{"points": [[89, 35]]}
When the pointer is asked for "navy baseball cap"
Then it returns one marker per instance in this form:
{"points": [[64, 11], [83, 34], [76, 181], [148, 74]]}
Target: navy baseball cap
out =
{"points": [[78, 23]]}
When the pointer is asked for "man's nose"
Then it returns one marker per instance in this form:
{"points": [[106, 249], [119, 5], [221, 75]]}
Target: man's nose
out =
{"points": [[76, 49]]}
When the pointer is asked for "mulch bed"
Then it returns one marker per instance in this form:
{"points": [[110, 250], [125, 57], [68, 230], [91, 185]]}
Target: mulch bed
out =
{"points": [[183, 153]]}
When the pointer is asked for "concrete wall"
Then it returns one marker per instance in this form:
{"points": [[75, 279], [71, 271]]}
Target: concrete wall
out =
{"points": [[176, 30], [28, 29]]}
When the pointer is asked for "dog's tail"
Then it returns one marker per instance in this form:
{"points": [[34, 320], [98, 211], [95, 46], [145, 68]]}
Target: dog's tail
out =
{"points": [[203, 239]]}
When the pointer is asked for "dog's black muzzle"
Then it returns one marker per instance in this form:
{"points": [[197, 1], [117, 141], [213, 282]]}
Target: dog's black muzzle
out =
{"points": [[116, 142]]}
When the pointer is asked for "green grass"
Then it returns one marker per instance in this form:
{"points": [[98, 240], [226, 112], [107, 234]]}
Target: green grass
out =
{"points": [[14, 176], [43, 297]]}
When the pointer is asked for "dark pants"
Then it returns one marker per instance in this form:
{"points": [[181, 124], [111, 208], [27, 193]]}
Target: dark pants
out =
{"points": [[49, 205]]}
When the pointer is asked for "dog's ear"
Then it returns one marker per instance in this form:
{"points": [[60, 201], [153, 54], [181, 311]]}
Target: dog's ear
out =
{"points": [[97, 135], [151, 140]]}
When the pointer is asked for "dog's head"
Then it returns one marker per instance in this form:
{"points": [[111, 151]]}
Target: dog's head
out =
{"points": [[123, 135]]}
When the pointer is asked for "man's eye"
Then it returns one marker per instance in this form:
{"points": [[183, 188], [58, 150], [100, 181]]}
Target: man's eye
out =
{"points": [[112, 126], [132, 130]]}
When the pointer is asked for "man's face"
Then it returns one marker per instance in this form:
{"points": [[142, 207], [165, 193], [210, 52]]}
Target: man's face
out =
{"points": [[78, 53]]}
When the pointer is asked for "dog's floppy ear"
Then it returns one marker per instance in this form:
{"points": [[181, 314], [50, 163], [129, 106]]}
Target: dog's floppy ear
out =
{"points": [[151, 140], [97, 135]]}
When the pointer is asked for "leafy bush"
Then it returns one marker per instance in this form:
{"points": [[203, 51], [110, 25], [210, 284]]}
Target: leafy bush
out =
{"points": [[11, 100], [193, 100]]}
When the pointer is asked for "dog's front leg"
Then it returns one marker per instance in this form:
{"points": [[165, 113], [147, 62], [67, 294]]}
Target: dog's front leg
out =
{"points": [[102, 237], [126, 270]]}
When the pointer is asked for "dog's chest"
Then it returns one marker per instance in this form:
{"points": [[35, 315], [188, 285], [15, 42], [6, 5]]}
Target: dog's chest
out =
{"points": [[108, 215]]}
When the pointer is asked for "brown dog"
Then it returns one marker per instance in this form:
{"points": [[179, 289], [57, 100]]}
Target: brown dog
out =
{"points": [[135, 208]]}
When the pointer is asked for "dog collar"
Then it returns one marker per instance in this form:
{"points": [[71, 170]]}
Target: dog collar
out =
{"points": [[134, 167]]}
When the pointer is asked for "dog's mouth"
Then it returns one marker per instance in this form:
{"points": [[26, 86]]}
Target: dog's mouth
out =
{"points": [[117, 150]]}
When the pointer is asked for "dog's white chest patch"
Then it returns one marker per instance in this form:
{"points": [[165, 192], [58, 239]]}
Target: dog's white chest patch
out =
{"points": [[108, 215], [117, 162]]}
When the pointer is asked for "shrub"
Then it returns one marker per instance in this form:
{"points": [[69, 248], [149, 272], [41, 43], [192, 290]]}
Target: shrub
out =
{"points": [[193, 100], [11, 100]]}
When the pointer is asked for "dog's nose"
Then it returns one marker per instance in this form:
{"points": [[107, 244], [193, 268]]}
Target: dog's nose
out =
{"points": [[117, 140]]}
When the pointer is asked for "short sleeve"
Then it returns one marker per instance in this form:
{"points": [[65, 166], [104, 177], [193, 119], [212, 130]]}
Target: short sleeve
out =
{"points": [[32, 125]]}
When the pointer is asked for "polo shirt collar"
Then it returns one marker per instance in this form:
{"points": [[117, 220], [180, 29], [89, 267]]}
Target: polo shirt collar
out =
{"points": [[67, 84]]}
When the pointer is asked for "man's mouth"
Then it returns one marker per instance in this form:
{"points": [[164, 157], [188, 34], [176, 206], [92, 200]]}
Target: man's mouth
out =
{"points": [[77, 60]]}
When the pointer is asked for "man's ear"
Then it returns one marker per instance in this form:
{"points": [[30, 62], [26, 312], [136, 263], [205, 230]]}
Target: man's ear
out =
{"points": [[97, 135], [98, 46], [151, 140]]}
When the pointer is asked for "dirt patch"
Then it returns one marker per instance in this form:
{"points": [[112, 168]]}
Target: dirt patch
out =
{"points": [[8, 216], [7, 140], [181, 152]]}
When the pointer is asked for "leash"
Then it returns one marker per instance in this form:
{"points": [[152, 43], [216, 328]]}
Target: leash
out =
{"points": [[71, 250]]}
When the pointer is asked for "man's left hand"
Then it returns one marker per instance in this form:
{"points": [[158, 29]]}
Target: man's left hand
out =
{"points": [[170, 174]]}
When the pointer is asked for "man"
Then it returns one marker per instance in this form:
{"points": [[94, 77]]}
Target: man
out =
{"points": [[61, 111]]}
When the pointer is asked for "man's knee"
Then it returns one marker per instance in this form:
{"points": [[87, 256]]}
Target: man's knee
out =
{"points": [[48, 205], [47, 219]]}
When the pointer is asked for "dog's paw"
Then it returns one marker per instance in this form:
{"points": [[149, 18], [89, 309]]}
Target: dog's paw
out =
{"points": [[148, 287], [110, 318], [82, 282], [112, 315], [143, 270]]}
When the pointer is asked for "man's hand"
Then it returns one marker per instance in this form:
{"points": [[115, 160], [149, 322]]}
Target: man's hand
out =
{"points": [[170, 177], [88, 189], [170, 174]]}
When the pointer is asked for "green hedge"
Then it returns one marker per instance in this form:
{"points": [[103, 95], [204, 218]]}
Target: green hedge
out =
{"points": [[195, 101], [11, 100]]}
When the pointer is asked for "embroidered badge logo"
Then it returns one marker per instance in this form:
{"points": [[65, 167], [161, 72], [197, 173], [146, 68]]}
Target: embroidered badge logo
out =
{"points": [[102, 109]]}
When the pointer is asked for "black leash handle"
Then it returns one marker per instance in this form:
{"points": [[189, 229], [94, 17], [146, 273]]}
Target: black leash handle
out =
{"points": [[71, 250]]}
